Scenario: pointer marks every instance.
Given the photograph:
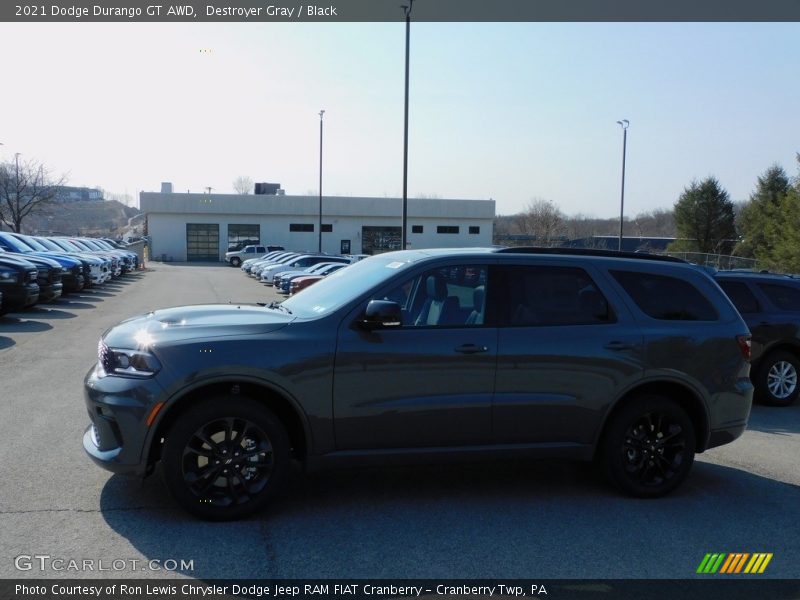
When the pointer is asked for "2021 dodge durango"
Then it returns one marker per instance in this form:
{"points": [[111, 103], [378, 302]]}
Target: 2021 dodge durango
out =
{"points": [[427, 354]]}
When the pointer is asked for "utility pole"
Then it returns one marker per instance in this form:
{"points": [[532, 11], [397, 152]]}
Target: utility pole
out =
{"points": [[407, 9], [624, 123]]}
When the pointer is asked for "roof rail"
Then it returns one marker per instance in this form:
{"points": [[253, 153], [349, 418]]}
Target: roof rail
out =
{"points": [[589, 252]]}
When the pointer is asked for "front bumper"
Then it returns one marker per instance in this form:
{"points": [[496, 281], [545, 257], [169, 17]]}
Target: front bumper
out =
{"points": [[20, 296], [118, 437]]}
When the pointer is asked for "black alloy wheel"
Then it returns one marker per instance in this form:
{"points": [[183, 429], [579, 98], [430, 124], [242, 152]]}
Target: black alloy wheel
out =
{"points": [[649, 447], [224, 458]]}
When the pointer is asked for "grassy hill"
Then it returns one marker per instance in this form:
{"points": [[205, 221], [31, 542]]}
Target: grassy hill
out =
{"points": [[108, 218]]}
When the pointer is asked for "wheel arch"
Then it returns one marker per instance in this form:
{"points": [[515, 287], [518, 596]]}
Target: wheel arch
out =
{"points": [[792, 347], [277, 400], [688, 399]]}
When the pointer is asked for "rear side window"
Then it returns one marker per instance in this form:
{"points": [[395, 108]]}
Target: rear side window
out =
{"points": [[542, 295], [783, 296], [666, 298], [741, 296]]}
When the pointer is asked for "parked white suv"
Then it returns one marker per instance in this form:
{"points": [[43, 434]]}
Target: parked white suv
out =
{"points": [[236, 258]]}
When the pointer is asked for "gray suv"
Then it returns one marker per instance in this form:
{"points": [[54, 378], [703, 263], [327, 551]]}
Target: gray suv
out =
{"points": [[630, 360]]}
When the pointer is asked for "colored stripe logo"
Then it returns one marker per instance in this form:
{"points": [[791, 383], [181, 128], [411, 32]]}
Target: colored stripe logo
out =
{"points": [[734, 563]]}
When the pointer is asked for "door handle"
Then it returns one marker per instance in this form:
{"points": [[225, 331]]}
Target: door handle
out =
{"points": [[618, 346], [471, 349]]}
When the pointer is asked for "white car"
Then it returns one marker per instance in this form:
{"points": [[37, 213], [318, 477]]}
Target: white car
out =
{"points": [[300, 262]]}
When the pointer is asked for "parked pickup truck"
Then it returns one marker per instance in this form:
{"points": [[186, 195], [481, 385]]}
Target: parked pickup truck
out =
{"points": [[236, 258], [18, 283]]}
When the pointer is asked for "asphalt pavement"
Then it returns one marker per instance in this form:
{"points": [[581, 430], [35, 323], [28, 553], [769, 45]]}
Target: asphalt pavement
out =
{"points": [[500, 520]]}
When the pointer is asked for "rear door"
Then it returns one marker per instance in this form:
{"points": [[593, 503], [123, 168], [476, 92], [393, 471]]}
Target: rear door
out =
{"points": [[566, 347]]}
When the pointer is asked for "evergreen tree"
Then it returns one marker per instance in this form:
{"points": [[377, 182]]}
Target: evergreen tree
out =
{"points": [[704, 214], [756, 219]]}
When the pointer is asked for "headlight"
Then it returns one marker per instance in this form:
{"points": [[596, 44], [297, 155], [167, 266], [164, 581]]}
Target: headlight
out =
{"points": [[120, 361], [8, 277]]}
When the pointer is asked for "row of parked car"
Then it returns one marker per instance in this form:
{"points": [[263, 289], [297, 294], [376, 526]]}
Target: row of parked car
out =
{"points": [[37, 269], [291, 272]]}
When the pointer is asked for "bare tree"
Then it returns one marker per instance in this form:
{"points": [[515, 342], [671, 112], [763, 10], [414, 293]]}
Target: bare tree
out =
{"points": [[25, 188], [243, 184], [544, 221]]}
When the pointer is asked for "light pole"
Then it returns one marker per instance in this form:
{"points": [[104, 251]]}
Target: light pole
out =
{"points": [[319, 249], [624, 123], [16, 162], [407, 9]]}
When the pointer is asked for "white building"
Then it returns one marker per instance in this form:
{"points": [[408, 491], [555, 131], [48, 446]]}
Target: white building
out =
{"points": [[202, 226]]}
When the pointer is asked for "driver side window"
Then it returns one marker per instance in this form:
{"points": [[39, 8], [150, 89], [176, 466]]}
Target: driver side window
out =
{"points": [[453, 296]]}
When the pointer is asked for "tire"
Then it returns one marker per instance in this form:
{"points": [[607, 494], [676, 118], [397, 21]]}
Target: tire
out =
{"points": [[236, 261], [648, 447], [249, 446], [778, 379]]}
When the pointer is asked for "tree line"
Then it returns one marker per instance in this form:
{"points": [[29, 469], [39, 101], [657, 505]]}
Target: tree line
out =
{"points": [[704, 219]]}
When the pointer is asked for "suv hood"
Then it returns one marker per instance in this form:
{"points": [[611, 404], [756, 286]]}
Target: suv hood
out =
{"points": [[200, 321]]}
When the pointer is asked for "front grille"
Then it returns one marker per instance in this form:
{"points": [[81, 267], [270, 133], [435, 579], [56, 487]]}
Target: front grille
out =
{"points": [[43, 273], [55, 275]]}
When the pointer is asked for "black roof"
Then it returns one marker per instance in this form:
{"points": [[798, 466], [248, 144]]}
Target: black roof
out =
{"points": [[588, 252]]}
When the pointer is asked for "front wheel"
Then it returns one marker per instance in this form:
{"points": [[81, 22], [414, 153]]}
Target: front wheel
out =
{"points": [[776, 381], [648, 448], [225, 457], [236, 261]]}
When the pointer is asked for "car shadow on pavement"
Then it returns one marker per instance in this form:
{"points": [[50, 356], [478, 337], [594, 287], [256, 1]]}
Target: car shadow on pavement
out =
{"points": [[44, 311], [98, 294], [775, 419], [13, 324], [4, 341], [476, 520]]}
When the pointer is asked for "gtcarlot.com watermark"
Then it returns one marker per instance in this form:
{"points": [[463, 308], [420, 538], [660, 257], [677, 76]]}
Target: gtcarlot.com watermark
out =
{"points": [[59, 564]]}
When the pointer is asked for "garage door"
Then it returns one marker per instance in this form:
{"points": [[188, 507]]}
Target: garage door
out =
{"points": [[202, 241]]}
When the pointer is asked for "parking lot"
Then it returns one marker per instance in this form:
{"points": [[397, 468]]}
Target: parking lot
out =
{"points": [[509, 520]]}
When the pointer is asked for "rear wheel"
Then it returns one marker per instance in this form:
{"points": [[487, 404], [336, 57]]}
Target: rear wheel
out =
{"points": [[777, 379], [224, 458], [648, 448], [236, 261]]}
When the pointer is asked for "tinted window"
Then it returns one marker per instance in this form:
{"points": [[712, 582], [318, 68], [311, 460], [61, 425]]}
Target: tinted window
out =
{"points": [[416, 229], [301, 227], [540, 295], [666, 298], [785, 297], [447, 229], [444, 297], [741, 296]]}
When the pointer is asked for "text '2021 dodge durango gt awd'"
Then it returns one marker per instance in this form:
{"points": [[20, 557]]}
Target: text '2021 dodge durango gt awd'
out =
{"points": [[636, 361]]}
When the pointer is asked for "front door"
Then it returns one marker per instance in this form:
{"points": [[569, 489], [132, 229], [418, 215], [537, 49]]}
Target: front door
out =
{"points": [[426, 383]]}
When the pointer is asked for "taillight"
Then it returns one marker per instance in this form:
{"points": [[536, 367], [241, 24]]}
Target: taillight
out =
{"points": [[744, 345]]}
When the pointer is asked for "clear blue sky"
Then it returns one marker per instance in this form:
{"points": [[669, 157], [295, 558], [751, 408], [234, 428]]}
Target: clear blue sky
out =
{"points": [[509, 111]]}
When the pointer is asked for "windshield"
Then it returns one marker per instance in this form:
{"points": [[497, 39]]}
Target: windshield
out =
{"points": [[67, 245], [50, 245], [14, 244], [35, 244], [344, 285]]}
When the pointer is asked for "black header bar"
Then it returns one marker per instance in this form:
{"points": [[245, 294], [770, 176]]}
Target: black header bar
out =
{"points": [[332, 11]]}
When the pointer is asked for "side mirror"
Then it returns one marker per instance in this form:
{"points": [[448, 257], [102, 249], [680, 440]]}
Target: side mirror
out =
{"points": [[382, 313]]}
